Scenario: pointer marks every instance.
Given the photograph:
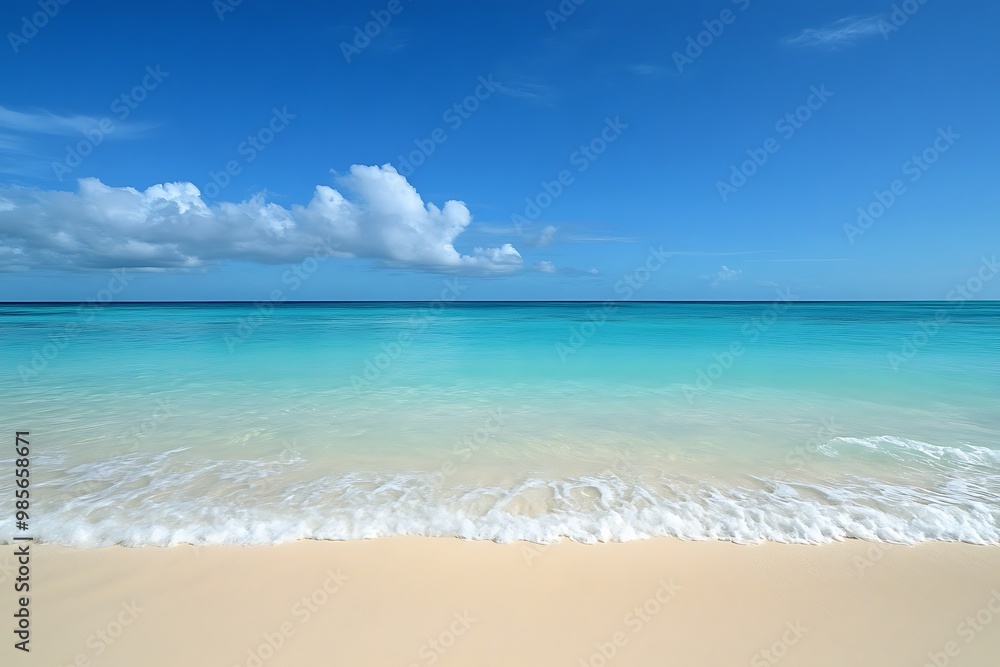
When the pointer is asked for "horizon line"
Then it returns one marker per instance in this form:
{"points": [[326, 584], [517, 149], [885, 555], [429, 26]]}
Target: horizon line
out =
{"points": [[490, 301]]}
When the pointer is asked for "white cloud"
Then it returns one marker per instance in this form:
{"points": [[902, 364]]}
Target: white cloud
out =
{"points": [[525, 88], [845, 31], [546, 237], [724, 274], [546, 266], [44, 122], [647, 70], [169, 226]]}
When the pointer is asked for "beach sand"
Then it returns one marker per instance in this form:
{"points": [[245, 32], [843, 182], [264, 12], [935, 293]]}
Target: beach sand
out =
{"points": [[442, 601]]}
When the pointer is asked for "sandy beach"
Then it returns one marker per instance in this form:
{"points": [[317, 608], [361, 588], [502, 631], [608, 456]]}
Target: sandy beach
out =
{"points": [[441, 601]]}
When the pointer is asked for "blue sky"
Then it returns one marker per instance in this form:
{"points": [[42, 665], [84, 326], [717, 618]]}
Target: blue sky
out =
{"points": [[254, 150]]}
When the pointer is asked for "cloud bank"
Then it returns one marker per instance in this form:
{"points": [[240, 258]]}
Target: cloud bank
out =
{"points": [[170, 227]]}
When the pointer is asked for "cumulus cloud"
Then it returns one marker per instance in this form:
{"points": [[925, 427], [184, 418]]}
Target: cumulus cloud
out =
{"points": [[169, 226], [845, 31], [546, 266]]}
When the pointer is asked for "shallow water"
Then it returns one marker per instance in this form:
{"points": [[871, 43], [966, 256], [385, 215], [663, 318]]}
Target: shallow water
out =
{"points": [[792, 422]]}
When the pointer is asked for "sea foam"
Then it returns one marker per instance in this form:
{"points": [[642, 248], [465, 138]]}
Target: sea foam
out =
{"points": [[170, 498]]}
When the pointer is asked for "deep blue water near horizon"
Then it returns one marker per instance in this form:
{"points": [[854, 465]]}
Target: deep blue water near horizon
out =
{"points": [[159, 423]]}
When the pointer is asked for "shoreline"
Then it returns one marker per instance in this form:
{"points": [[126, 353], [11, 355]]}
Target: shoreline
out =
{"points": [[446, 601]]}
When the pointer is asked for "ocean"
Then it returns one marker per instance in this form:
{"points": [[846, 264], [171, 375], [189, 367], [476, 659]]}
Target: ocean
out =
{"points": [[159, 424]]}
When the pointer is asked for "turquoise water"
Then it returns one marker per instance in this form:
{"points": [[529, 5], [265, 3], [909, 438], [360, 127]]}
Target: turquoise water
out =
{"points": [[792, 422]]}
